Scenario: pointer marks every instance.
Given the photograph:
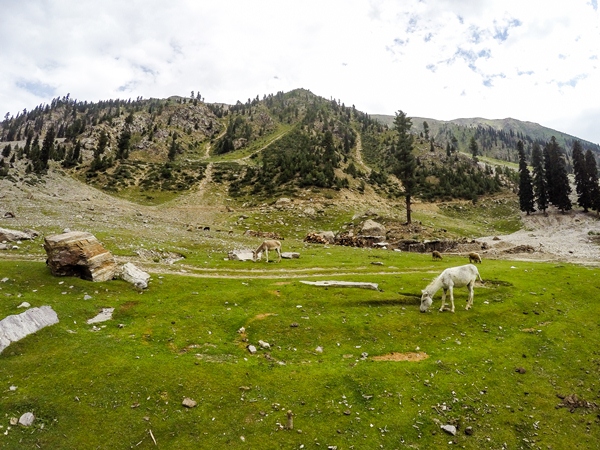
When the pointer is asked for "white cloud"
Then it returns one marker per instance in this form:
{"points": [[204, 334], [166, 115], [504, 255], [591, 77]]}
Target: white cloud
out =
{"points": [[535, 60]]}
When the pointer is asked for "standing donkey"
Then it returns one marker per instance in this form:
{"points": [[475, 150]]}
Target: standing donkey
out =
{"points": [[265, 247]]}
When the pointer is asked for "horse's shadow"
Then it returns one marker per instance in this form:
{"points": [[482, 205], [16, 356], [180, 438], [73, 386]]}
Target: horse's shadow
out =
{"points": [[403, 299]]}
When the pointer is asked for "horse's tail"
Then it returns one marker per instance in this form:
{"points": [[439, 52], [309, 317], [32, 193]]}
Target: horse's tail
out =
{"points": [[479, 276]]}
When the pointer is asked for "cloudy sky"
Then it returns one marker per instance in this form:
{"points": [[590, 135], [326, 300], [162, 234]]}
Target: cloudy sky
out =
{"points": [[533, 60]]}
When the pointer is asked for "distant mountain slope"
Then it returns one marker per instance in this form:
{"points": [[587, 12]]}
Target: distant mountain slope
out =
{"points": [[280, 144], [495, 137]]}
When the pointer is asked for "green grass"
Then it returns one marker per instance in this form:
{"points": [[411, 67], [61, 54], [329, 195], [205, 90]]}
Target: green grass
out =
{"points": [[121, 385]]}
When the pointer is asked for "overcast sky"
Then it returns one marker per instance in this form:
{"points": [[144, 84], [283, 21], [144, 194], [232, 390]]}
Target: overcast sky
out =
{"points": [[532, 60]]}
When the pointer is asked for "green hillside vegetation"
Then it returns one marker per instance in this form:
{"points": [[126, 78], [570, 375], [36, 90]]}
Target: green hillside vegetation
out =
{"points": [[496, 138], [279, 145]]}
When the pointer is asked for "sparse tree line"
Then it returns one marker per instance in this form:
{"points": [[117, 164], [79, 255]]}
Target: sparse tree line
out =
{"points": [[548, 182]]}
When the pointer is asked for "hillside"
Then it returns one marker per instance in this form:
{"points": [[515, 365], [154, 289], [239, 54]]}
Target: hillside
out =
{"points": [[284, 144], [496, 138]]}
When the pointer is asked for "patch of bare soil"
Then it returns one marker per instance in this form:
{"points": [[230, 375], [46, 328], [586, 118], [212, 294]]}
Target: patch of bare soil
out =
{"points": [[409, 356], [572, 402], [566, 237]]}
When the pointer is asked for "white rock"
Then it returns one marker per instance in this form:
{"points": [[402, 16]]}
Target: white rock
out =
{"points": [[24, 305], [105, 315], [135, 276], [264, 344], [26, 419], [189, 403], [450, 429], [16, 327]]}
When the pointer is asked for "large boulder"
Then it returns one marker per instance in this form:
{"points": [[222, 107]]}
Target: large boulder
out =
{"points": [[372, 228], [79, 254]]}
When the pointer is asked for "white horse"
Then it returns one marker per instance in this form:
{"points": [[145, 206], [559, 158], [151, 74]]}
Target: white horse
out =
{"points": [[450, 278], [265, 247]]}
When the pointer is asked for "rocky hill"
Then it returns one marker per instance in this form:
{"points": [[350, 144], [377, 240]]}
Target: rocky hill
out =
{"points": [[495, 138], [283, 144]]}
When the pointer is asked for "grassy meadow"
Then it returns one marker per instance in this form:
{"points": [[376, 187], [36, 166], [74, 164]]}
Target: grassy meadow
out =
{"points": [[498, 372]]}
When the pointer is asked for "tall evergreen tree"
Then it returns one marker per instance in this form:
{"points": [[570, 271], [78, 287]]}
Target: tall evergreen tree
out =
{"points": [[526, 199], [473, 148], [404, 164], [556, 176], [124, 144], [591, 168], [41, 164], [540, 187], [582, 182]]}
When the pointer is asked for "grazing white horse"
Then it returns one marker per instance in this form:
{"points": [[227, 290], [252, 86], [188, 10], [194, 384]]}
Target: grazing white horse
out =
{"points": [[449, 279], [265, 247]]}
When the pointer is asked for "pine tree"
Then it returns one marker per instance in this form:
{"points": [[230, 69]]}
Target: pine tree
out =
{"points": [[582, 182], [526, 199], [473, 148], [41, 164], [404, 163], [123, 144], [592, 173], [540, 188], [556, 176]]}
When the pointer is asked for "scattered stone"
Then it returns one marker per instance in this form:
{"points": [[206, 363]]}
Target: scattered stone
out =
{"points": [[469, 431], [573, 402], [264, 344], [294, 325], [135, 276], [319, 349], [4, 280], [520, 370], [377, 263], [290, 255], [26, 419], [79, 254], [16, 327], [189, 403], [12, 388], [14, 235], [87, 297], [14, 421], [450, 429], [241, 330], [252, 349], [240, 255], [9, 215], [24, 305], [103, 316]]}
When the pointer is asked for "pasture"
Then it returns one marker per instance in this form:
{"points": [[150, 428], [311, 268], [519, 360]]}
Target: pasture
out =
{"points": [[501, 371]]}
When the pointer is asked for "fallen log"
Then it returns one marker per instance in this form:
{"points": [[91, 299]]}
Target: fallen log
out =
{"points": [[356, 284]]}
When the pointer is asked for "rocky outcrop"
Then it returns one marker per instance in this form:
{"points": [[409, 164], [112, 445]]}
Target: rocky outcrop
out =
{"points": [[80, 254]]}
